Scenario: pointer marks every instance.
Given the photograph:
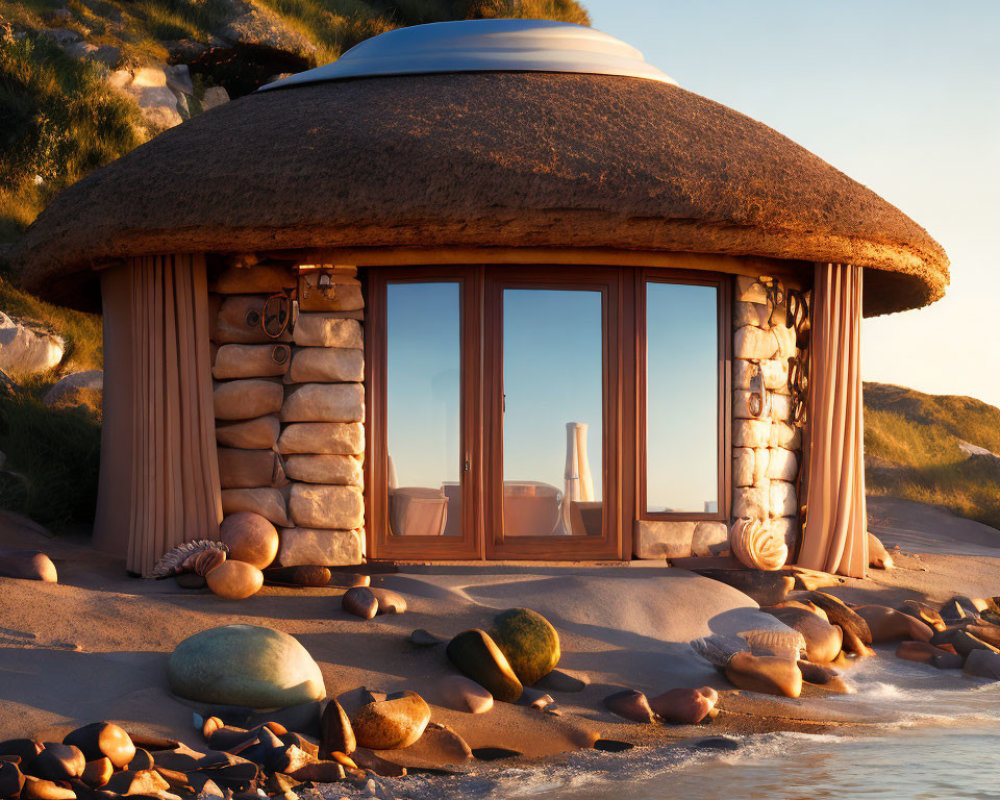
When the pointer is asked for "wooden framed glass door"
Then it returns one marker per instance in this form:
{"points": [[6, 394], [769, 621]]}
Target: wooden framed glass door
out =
{"points": [[423, 392], [552, 404]]}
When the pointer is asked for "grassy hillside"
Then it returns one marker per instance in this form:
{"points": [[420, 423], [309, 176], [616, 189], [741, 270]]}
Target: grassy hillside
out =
{"points": [[912, 450], [61, 117]]}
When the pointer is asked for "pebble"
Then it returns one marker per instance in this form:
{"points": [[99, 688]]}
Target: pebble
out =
{"points": [[360, 601], [889, 625], [307, 575], [923, 612], [389, 602], [857, 634], [529, 641], [103, 739], [823, 640], [630, 704], [983, 664], [684, 706], [251, 538], [477, 656], [965, 643], [59, 762], [11, 779], [424, 638], [336, 733], [766, 674], [31, 565], [235, 580], [957, 609], [612, 746], [391, 724], [464, 694]]}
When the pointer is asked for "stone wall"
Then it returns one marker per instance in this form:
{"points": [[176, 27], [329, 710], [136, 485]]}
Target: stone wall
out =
{"points": [[289, 410], [767, 445]]}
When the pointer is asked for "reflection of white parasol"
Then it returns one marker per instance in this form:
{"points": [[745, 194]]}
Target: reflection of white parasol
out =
{"points": [[579, 484]]}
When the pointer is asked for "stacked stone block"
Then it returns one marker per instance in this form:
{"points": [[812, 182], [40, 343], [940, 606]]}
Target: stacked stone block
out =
{"points": [[290, 411], [766, 449]]}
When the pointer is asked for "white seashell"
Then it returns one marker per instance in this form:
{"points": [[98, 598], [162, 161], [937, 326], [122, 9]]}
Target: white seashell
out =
{"points": [[183, 558], [776, 643], [757, 545]]}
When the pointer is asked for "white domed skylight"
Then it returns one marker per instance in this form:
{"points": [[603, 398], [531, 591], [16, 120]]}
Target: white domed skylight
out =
{"points": [[487, 45]]}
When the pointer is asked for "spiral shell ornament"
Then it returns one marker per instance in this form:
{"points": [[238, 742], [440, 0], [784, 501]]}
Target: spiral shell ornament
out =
{"points": [[757, 545]]}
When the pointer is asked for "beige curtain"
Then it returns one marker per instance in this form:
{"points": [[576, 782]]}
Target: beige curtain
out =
{"points": [[174, 486], [834, 538]]}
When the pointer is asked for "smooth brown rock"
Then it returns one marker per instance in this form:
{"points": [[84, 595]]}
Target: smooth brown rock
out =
{"points": [[684, 706], [337, 438], [360, 601], [103, 739], [251, 361], [987, 633], [260, 433], [888, 625], [320, 772], [823, 640], [464, 694], [391, 724], [921, 652], [878, 556], [98, 772], [320, 546], [305, 575], [41, 789], [235, 580], [389, 602], [11, 779], [266, 501], [325, 402], [248, 469], [477, 656], [766, 674], [247, 399], [325, 468], [629, 704], [439, 746], [145, 781], [251, 538], [816, 674], [326, 365], [929, 616], [336, 733], [24, 750], [857, 634], [965, 643], [59, 762], [983, 664], [31, 565]]}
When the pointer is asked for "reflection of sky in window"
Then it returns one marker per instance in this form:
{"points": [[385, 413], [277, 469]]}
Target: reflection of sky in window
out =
{"points": [[681, 401], [552, 376], [423, 362]]}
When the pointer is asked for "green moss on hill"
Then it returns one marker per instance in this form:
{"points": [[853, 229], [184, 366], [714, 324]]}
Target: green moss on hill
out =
{"points": [[912, 450]]}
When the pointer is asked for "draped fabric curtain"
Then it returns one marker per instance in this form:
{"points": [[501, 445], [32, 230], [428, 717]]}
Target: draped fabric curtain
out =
{"points": [[834, 537], [175, 494]]}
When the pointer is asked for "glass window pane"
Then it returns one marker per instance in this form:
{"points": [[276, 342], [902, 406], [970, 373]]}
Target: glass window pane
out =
{"points": [[423, 408], [553, 412], [682, 398]]}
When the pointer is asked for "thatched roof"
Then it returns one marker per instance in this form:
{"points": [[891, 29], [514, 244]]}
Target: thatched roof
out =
{"points": [[480, 159]]}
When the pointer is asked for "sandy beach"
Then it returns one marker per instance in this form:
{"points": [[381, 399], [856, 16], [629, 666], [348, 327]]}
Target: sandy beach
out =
{"points": [[95, 645]]}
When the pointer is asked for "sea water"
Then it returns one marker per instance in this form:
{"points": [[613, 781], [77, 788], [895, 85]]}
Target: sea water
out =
{"points": [[943, 744]]}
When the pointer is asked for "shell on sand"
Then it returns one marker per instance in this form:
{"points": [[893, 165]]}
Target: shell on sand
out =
{"points": [[757, 545], [184, 558]]}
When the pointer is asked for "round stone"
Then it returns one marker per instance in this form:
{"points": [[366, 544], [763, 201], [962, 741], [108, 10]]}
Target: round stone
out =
{"points": [[391, 724], [629, 704], [251, 538], [684, 706], [103, 740], [245, 665], [235, 580], [529, 641], [478, 657], [360, 601]]}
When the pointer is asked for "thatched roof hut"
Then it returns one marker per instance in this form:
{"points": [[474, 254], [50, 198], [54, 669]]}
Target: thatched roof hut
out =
{"points": [[488, 142]]}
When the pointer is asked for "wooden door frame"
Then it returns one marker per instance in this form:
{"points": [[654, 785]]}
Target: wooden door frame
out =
{"points": [[609, 282], [723, 286], [381, 545]]}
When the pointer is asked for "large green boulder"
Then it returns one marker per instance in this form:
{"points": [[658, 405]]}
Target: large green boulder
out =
{"points": [[529, 641], [479, 658], [245, 665]]}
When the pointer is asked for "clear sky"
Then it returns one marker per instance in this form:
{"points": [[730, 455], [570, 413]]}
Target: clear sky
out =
{"points": [[903, 96]]}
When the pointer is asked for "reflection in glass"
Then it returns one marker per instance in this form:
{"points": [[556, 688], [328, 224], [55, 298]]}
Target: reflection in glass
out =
{"points": [[553, 412], [423, 402], [682, 397]]}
